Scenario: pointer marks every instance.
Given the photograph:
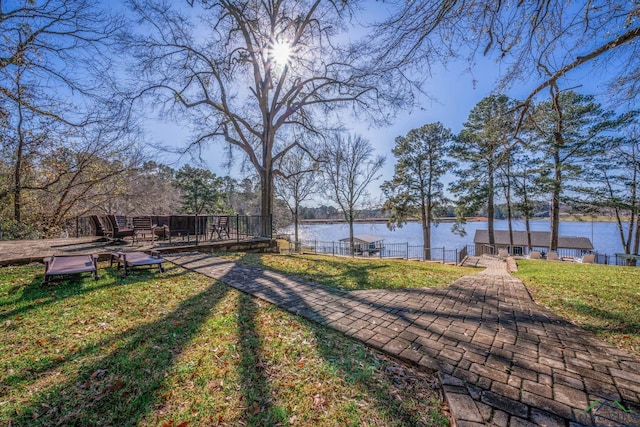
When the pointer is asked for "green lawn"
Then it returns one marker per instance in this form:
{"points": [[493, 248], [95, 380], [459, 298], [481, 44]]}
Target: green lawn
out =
{"points": [[603, 299], [178, 349], [356, 273]]}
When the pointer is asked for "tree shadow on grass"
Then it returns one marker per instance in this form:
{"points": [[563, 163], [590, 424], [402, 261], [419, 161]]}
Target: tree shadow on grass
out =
{"points": [[502, 313], [36, 295], [350, 367], [357, 274], [122, 385], [255, 384], [608, 321]]}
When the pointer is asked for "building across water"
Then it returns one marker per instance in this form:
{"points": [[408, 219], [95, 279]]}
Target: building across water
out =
{"points": [[365, 244], [567, 245]]}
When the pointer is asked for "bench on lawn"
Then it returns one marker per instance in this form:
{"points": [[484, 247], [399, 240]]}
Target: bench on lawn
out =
{"points": [[62, 265], [131, 259]]}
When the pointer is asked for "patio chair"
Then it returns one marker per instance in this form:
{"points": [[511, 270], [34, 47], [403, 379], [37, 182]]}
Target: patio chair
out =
{"points": [[181, 226], [98, 225], [142, 225], [587, 259], [161, 224], [220, 227], [131, 259], [503, 254], [62, 265], [119, 228], [535, 255], [553, 256]]}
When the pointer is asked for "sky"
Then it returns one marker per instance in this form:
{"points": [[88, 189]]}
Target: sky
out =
{"points": [[452, 91]]}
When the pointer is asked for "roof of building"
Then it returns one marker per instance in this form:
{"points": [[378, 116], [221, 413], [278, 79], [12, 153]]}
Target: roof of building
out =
{"points": [[539, 239], [364, 238]]}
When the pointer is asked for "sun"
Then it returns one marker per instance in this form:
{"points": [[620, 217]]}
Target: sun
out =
{"points": [[281, 52]]}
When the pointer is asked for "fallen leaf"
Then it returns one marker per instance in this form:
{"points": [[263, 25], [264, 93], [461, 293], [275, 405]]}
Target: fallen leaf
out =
{"points": [[318, 401], [98, 373], [183, 424], [255, 408], [117, 385]]}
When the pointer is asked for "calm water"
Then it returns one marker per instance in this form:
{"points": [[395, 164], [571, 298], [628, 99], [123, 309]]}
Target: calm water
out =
{"points": [[604, 235]]}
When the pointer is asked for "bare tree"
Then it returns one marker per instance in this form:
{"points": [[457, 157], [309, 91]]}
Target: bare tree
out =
{"points": [[247, 70], [80, 173], [298, 180], [617, 188], [550, 37], [348, 167], [50, 52]]}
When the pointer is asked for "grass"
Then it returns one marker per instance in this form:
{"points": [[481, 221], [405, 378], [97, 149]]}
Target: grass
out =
{"points": [[601, 299], [178, 349], [355, 273]]}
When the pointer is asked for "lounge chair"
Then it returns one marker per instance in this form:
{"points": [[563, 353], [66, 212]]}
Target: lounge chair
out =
{"points": [[535, 255], [60, 265], [131, 259], [98, 225], [119, 229], [143, 226], [220, 227]]}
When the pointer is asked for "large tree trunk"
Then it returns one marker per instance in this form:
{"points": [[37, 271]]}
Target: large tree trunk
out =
{"points": [[555, 196], [490, 209], [295, 226], [527, 217], [266, 182], [426, 231], [17, 173], [509, 213], [633, 216], [636, 243], [527, 225], [351, 242], [557, 171]]}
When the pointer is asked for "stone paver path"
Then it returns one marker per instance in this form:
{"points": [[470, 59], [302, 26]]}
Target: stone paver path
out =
{"points": [[502, 359]]}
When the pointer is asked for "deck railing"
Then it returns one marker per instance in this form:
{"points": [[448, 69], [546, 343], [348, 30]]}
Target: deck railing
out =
{"points": [[191, 227]]}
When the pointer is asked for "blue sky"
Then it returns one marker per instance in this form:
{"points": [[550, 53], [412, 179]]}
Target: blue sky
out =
{"points": [[453, 92]]}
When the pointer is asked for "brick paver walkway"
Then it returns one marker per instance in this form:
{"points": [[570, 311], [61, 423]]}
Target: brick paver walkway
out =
{"points": [[502, 359]]}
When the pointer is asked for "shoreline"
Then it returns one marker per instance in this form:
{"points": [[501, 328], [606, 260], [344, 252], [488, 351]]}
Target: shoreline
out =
{"points": [[450, 220], [378, 220]]}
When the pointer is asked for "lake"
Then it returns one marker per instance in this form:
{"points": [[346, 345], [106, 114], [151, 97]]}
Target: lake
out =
{"points": [[603, 235]]}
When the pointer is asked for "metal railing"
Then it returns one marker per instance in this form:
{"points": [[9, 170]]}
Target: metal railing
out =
{"points": [[197, 227], [387, 251], [563, 253], [444, 255]]}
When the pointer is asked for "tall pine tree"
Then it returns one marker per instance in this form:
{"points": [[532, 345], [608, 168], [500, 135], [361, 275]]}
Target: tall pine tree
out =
{"points": [[416, 189], [481, 148]]}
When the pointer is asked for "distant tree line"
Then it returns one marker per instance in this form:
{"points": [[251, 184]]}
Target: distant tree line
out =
{"points": [[102, 186]]}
